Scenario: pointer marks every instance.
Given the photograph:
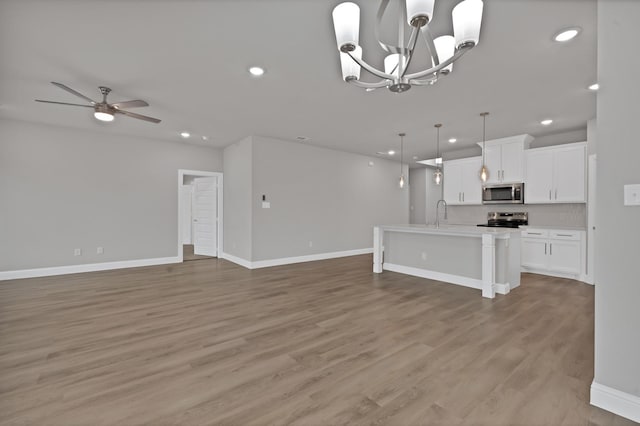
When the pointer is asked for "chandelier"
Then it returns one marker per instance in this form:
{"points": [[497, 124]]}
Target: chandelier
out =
{"points": [[417, 14]]}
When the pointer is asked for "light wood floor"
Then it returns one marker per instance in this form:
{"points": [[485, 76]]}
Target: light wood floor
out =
{"points": [[319, 343]]}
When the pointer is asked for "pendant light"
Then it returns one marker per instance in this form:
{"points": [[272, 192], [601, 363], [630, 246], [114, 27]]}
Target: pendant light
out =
{"points": [[484, 172], [437, 175], [401, 180]]}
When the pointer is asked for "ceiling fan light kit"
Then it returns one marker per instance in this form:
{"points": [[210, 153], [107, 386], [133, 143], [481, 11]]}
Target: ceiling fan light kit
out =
{"points": [[417, 14], [105, 111]]}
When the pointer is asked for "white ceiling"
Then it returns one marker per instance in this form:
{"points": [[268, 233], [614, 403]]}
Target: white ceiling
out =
{"points": [[188, 59]]}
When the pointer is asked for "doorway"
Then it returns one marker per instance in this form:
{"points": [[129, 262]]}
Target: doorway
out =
{"points": [[199, 214]]}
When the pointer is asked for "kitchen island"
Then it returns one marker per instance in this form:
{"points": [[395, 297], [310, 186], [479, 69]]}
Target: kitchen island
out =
{"points": [[487, 259]]}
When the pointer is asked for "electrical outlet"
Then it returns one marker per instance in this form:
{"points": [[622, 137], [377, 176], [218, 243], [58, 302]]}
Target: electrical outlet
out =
{"points": [[77, 252], [99, 250]]}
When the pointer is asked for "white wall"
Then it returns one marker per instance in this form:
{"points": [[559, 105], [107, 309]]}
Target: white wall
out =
{"points": [[617, 292], [329, 198], [62, 189], [237, 198], [417, 195]]}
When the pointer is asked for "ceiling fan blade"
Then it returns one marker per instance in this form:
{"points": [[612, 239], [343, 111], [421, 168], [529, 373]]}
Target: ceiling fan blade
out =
{"points": [[70, 90], [138, 116], [130, 104], [64, 103]]}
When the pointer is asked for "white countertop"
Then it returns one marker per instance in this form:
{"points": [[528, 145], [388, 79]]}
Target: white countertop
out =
{"points": [[452, 230]]}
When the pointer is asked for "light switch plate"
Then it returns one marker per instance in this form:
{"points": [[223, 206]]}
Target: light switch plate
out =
{"points": [[266, 205], [632, 195]]}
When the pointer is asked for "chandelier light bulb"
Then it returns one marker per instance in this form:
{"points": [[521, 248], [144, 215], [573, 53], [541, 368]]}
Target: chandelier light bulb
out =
{"points": [[346, 23], [350, 68], [467, 19], [401, 182], [419, 12], [445, 47]]}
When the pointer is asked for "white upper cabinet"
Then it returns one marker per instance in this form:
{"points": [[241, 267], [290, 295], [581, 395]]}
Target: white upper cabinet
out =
{"points": [[505, 158], [462, 185], [556, 174]]}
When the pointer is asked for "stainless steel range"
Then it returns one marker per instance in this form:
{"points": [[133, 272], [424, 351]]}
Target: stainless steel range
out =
{"points": [[506, 219]]}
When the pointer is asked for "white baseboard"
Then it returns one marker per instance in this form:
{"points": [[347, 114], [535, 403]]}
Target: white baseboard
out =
{"points": [[577, 277], [89, 267], [433, 275], [615, 401], [237, 260], [297, 259], [502, 288]]}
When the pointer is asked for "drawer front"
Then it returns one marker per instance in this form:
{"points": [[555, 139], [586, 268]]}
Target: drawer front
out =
{"points": [[565, 235], [535, 233]]}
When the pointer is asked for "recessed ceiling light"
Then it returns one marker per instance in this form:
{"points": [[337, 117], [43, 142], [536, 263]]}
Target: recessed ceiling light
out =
{"points": [[205, 138], [546, 122], [370, 89], [594, 87], [256, 71], [415, 157], [453, 140], [185, 134], [391, 152], [567, 34]]}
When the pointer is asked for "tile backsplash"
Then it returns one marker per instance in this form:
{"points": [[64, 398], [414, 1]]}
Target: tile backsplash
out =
{"points": [[573, 215]]}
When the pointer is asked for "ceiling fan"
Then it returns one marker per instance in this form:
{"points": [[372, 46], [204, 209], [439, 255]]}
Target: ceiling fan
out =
{"points": [[105, 111]]}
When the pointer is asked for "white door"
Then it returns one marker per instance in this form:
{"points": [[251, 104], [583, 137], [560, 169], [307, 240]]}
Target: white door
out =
{"points": [[512, 154], [205, 216], [564, 256], [185, 207], [534, 253], [569, 175], [452, 181], [471, 183], [539, 182], [493, 161]]}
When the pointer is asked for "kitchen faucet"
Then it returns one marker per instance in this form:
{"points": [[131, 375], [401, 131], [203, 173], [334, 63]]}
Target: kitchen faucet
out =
{"points": [[438, 212]]}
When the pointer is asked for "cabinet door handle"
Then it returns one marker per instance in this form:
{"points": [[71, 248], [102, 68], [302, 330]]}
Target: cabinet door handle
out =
{"points": [[564, 235], [463, 197], [551, 248], [556, 193], [545, 248], [549, 194], [459, 196], [534, 233]]}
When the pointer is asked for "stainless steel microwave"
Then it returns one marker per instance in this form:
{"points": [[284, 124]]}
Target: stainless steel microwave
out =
{"points": [[511, 193]]}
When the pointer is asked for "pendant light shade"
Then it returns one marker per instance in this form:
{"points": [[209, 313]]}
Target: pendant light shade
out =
{"points": [[445, 47], [350, 68], [484, 171], [467, 19], [401, 181], [437, 175], [346, 22], [419, 12]]}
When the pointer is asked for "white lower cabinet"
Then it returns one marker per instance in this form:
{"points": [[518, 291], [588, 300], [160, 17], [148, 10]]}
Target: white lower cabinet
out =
{"points": [[555, 252]]}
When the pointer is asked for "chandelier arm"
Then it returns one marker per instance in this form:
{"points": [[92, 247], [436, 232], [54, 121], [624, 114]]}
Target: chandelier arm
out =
{"points": [[380, 84], [412, 45], [376, 29], [431, 47], [427, 82], [440, 66], [369, 68]]}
